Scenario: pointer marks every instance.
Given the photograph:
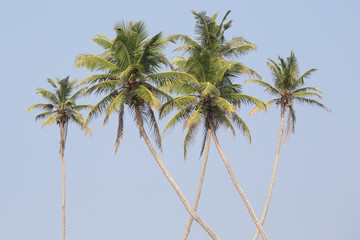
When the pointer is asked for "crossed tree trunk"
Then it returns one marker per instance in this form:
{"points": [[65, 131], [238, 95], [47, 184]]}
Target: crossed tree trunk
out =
{"points": [[188, 227], [237, 186], [170, 179], [262, 220]]}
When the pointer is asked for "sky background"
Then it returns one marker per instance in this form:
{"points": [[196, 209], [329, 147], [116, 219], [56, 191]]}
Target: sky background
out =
{"points": [[126, 196]]}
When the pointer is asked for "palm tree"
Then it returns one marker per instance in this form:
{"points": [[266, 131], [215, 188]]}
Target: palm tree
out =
{"points": [[61, 109], [208, 98], [128, 63], [210, 76], [288, 88]]}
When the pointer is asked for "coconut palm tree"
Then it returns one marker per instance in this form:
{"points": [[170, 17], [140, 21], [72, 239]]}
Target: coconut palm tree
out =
{"points": [[288, 88], [128, 64], [208, 55], [211, 38], [208, 98], [61, 109]]}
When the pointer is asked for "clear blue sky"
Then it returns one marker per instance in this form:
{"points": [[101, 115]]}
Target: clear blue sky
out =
{"points": [[125, 196]]}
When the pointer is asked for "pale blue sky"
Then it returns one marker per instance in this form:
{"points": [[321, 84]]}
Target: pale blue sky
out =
{"points": [[126, 196]]}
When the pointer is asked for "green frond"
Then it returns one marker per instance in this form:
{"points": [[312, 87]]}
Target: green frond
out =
{"points": [[52, 83], [189, 137], [43, 115], [227, 107], [269, 88], [102, 87], [114, 105], [147, 96], [181, 115], [268, 104], [179, 103], [50, 120], [307, 74], [83, 107], [226, 122], [185, 39], [237, 99], [154, 128], [103, 41], [96, 78], [305, 94], [305, 89], [206, 88], [48, 96], [184, 48], [40, 106], [242, 126], [120, 129], [194, 119], [163, 77], [311, 102], [238, 51], [100, 106], [94, 63]]}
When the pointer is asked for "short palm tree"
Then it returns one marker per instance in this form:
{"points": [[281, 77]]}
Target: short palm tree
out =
{"points": [[288, 88], [128, 64], [208, 98], [207, 74], [61, 109]]}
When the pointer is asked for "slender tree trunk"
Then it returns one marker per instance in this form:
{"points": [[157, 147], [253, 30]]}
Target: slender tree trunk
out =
{"points": [[188, 227], [262, 220], [63, 133], [170, 179], [237, 186]]}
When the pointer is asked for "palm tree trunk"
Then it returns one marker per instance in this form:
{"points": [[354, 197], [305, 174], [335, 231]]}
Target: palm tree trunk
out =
{"points": [[262, 220], [169, 178], [237, 186], [188, 227], [63, 133]]}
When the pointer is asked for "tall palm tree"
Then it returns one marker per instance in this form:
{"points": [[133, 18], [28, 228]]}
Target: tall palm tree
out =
{"points": [[61, 109], [288, 88], [128, 64], [208, 65], [208, 98]]}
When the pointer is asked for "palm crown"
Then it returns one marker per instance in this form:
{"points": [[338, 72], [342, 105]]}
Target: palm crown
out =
{"points": [[289, 88], [61, 107], [205, 81], [127, 63]]}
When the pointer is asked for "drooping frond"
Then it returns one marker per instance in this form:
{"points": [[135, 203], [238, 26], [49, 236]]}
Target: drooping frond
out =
{"points": [[41, 106], [311, 102], [225, 106], [242, 126], [103, 41], [115, 105], [269, 88], [268, 104], [120, 129], [50, 120], [100, 106]]}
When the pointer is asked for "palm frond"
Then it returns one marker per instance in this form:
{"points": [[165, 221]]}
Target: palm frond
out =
{"points": [[94, 63], [242, 126], [103, 41], [269, 88]]}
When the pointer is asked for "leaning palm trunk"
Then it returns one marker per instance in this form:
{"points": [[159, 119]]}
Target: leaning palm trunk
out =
{"points": [[170, 179], [237, 186], [262, 220], [188, 227], [63, 134]]}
